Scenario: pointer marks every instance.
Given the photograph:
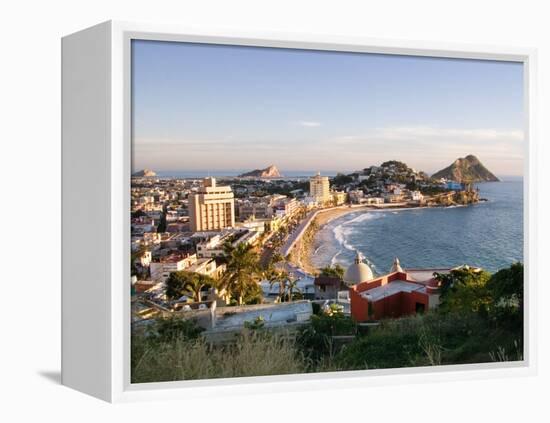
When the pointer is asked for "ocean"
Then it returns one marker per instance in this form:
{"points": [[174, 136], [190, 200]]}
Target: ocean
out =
{"points": [[488, 234]]}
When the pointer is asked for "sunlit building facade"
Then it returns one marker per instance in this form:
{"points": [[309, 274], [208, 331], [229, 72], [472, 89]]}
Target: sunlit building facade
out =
{"points": [[212, 207], [319, 188]]}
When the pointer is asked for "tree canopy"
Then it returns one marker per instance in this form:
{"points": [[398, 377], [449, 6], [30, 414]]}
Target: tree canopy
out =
{"points": [[242, 272], [468, 289], [187, 283], [333, 271]]}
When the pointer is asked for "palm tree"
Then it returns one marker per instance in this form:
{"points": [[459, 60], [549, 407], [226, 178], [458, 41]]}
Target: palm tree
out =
{"points": [[182, 282], [292, 286], [276, 258], [277, 277], [242, 270], [220, 289], [195, 283], [336, 271]]}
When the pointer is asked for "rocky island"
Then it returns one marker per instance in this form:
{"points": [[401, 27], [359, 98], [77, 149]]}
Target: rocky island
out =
{"points": [[145, 173], [466, 170], [269, 172]]}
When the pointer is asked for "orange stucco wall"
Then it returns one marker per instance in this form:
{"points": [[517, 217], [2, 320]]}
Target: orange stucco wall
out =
{"points": [[397, 305]]}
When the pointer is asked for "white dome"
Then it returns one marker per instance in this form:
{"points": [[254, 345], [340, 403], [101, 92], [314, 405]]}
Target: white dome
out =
{"points": [[358, 272]]}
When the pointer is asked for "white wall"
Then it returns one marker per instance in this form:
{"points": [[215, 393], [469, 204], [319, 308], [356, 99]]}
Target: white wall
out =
{"points": [[30, 99]]}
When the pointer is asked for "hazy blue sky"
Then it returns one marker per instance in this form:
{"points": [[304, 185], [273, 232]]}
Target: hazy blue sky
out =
{"points": [[210, 108]]}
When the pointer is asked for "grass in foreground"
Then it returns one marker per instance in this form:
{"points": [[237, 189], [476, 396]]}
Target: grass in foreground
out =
{"points": [[253, 354], [176, 351]]}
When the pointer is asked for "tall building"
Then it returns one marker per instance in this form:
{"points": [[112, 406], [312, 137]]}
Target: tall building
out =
{"points": [[319, 188], [212, 207]]}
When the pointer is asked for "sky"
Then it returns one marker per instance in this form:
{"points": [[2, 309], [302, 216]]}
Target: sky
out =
{"points": [[201, 107]]}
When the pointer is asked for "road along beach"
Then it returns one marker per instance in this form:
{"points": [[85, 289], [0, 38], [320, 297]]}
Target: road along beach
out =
{"points": [[299, 246]]}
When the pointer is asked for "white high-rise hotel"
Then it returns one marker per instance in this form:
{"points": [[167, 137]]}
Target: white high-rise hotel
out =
{"points": [[212, 207], [319, 188]]}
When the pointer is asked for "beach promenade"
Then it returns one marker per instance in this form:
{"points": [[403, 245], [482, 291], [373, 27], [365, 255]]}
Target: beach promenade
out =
{"points": [[299, 232]]}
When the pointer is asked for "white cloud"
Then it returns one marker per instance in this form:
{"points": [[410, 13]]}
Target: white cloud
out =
{"points": [[432, 132], [309, 123]]}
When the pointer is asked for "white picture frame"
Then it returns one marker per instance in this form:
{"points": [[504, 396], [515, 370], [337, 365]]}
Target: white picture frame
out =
{"points": [[96, 142]]}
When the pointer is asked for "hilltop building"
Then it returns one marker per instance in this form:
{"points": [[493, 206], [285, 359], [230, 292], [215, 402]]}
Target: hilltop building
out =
{"points": [[398, 293], [211, 207], [319, 188]]}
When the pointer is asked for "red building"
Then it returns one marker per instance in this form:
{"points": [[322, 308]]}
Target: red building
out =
{"points": [[399, 293]]}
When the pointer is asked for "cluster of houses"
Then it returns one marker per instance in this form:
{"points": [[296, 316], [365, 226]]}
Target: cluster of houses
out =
{"points": [[359, 294], [393, 183], [179, 224], [186, 225]]}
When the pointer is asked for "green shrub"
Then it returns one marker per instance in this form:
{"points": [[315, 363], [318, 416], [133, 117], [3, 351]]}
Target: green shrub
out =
{"points": [[167, 329], [316, 341], [381, 349]]}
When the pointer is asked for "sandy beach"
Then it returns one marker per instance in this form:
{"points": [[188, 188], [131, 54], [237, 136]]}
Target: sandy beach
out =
{"points": [[302, 255]]}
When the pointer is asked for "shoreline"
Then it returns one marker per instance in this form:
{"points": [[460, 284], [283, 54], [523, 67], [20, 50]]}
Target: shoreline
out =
{"points": [[302, 256]]}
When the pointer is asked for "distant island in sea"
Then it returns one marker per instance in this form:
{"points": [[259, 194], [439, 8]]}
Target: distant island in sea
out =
{"points": [[144, 173], [269, 172], [466, 169]]}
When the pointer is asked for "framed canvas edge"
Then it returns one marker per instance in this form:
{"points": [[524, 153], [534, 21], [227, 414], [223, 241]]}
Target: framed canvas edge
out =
{"points": [[120, 167]]}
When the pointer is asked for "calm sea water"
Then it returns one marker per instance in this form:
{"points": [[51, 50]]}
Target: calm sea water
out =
{"points": [[488, 234]]}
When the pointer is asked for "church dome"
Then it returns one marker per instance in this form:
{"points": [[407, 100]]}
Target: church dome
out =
{"points": [[358, 272]]}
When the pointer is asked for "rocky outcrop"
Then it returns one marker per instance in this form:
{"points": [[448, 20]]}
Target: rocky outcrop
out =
{"points": [[268, 172], [465, 170], [145, 173]]}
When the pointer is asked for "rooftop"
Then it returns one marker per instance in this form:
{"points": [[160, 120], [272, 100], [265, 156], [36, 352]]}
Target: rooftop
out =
{"points": [[174, 258], [392, 288], [272, 315]]}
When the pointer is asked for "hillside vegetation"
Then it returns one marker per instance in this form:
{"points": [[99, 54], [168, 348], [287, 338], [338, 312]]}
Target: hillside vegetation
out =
{"points": [[480, 320]]}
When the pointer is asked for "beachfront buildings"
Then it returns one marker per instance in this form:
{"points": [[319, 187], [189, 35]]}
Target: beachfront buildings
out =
{"points": [[267, 207], [211, 207], [319, 188], [338, 197], [255, 209]]}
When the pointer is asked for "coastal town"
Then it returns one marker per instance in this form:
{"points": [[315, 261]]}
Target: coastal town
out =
{"points": [[288, 216], [218, 258], [195, 226]]}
